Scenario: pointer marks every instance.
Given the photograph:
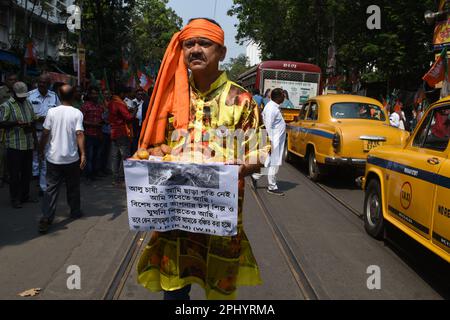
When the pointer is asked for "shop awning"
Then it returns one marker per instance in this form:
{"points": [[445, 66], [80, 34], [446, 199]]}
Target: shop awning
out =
{"points": [[9, 57]]}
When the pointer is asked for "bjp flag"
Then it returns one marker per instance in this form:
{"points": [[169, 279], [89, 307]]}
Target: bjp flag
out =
{"points": [[438, 71], [30, 54], [144, 81]]}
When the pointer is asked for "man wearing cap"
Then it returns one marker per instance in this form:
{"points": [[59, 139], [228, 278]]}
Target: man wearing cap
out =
{"points": [[6, 92], [202, 112], [42, 99], [17, 117]]}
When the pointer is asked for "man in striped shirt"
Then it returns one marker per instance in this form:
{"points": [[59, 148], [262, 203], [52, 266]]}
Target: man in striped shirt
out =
{"points": [[17, 117]]}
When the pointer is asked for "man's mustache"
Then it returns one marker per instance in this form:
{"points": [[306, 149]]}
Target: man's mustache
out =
{"points": [[197, 57]]}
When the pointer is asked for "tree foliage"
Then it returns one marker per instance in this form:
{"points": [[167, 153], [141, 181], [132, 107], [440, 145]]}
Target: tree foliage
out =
{"points": [[105, 31], [152, 28], [236, 66], [301, 30], [138, 30]]}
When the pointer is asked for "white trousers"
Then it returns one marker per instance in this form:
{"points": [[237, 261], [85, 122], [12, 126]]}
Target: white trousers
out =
{"points": [[40, 167], [271, 173]]}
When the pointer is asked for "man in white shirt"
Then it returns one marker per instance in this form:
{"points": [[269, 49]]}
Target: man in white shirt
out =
{"points": [[63, 130], [396, 119], [137, 123], [42, 99], [276, 129], [139, 100]]}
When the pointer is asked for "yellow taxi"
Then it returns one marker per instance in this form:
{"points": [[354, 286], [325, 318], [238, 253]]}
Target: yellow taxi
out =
{"points": [[409, 186], [339, 130]]}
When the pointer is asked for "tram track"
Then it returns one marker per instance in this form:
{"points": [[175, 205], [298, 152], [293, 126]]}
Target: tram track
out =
{"points": [[405, 248], [302, 274], [282, 238], [125, 267], [307, 281]]}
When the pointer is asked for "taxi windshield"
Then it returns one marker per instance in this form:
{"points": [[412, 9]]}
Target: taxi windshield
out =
{"points": [[356, 110]]}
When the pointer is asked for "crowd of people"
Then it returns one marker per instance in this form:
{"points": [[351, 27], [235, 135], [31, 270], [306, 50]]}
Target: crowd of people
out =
{"points": [[55, 133]]}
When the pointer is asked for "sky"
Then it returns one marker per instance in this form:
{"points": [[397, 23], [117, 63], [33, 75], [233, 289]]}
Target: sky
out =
{"points": [[188, 9]]}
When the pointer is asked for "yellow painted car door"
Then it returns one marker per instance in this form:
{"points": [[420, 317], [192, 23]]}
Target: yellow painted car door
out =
{"points": [[413, 173], [295, 131], [309, 124], [441, 212]]}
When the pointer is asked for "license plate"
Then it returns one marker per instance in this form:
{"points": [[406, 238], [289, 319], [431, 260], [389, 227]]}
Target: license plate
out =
{"points": [[370, 144]]}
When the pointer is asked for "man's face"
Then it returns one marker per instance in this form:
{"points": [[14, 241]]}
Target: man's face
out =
{"points": [[201, 54], [94, 95], [43, 85], [10, 81], [140, 95]]}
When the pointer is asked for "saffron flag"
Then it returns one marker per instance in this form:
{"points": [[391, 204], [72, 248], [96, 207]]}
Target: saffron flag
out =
{"points": [[438, 71], [144, 81], [30, 54]]}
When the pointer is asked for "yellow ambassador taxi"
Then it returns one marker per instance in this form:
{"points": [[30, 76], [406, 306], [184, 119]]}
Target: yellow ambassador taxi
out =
{"points": [[409, 186], [339, 130]]}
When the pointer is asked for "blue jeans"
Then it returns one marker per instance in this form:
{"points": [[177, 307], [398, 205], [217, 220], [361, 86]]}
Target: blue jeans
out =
{"points": [[180, 294]]}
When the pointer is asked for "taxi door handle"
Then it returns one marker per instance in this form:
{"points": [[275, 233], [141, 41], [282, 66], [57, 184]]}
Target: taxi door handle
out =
{"points": [[313, 125], [433, 161]]}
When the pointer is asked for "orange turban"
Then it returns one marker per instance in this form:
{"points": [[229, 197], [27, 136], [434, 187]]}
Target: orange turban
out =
{"points": [[171, 92]]}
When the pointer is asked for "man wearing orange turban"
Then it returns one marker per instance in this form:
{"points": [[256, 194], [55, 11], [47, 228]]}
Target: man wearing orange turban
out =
{"points": [[199, 113]]}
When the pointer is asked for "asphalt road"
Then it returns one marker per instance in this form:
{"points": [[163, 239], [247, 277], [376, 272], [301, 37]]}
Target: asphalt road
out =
{"points": [[303, 240]]}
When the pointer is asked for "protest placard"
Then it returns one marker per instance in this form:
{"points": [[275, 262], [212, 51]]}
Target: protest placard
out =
{"points": [[164, 196]]}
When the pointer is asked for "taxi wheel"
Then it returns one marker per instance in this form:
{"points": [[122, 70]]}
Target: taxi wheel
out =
{"points": [[373, 210], [314, 168], [288, 157]]}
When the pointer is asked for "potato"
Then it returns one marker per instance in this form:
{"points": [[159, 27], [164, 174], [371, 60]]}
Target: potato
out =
{"points": [[143, 154], [157, 152], [166, 149]]}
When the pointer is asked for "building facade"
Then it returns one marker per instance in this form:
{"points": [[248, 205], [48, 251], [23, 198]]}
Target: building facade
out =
{"points": [[45, 21], [253, 53]]}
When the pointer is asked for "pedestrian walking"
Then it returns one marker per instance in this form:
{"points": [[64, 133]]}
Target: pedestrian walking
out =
{"points": [[207, 102], [93, 123], [65, 156], [17, 118], [42, 99], [276, 130], [120, 120], [6, 92]]}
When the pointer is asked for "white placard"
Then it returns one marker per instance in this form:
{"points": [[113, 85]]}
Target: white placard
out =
{"points": [[299, 92], [164, 196]]}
